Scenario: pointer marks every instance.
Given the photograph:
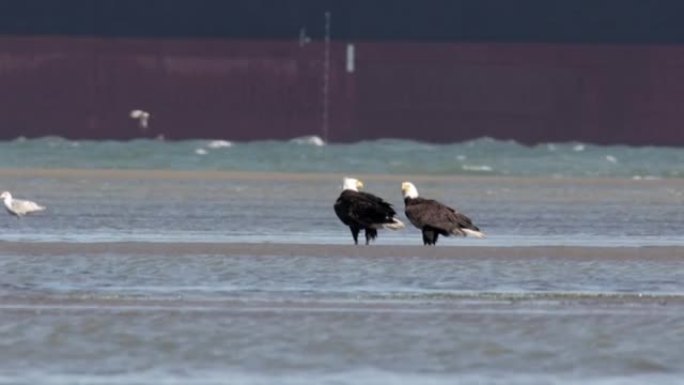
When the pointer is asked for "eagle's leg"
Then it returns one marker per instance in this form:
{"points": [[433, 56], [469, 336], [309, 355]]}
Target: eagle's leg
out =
{"points": [[355, 234], [371, 234], [434, 239], [428, 237]]}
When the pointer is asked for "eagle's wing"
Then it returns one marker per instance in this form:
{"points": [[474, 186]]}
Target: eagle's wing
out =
{"points": [[438, 215], [370, 209]]}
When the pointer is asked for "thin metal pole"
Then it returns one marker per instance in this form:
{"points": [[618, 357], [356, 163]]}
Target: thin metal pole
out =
{"points": [[326, 77]]}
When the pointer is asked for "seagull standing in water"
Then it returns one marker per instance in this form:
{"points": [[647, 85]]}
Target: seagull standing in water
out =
{"points": [[19, 207]]}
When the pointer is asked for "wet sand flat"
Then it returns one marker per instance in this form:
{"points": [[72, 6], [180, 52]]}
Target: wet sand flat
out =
{"points": [[665, 253], [117, 174], [455, 189], [213, 206]]}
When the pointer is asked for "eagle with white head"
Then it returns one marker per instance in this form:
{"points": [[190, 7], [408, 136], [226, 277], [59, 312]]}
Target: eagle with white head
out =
{"points": [[434, 218], [364, 211]]}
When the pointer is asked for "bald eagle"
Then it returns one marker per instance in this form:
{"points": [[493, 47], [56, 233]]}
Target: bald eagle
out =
{"points": [[434, 218], [364, 211]]}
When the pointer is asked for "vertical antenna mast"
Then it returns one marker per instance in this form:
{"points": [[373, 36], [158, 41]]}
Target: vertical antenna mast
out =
{"points": [[326, 76]]}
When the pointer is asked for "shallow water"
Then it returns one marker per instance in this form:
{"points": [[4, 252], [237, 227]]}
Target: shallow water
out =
{"points": [[75, 310], [297, 208], [289, 276], [206, 319]]}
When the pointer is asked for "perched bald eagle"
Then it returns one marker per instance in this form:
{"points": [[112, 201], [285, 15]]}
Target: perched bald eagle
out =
{"points": [[434, 218], [363, 211]]}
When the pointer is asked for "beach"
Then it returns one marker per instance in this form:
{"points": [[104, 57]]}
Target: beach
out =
{"points": [[578, 253], [86, 205], [211, 277], [113, 313]]}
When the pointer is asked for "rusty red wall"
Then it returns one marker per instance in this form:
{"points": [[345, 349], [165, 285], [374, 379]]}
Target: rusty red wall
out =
{"points": [[527, 92], [249, 90], [85, 88]]}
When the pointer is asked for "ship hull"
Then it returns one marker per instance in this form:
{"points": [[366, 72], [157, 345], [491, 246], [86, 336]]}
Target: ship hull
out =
{"points": [[245, 89]]}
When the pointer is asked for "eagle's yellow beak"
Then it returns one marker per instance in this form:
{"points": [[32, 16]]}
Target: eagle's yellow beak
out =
{"points": [[359, 184]]}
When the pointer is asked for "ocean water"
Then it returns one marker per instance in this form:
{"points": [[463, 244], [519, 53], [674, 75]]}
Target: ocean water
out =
{"points": [[478, 157], [73, 312]]}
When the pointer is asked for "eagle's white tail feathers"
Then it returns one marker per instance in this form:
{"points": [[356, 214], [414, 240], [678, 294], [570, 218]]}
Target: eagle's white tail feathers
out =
{"points": [[396, 225], [473, 233]]}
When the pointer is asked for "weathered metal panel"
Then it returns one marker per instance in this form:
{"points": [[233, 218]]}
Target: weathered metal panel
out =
{"points": [[85, 88], [272, 89], [526, 92]]}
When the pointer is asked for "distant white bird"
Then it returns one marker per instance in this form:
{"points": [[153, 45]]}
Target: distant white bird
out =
{"points": [[142, 117], [19, 207]]}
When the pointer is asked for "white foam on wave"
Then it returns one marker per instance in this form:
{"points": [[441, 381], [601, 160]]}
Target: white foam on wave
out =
{"points": [[312, 140], [645, 177], [611, 159], [480, 168], [201, 151], [215, 144]]}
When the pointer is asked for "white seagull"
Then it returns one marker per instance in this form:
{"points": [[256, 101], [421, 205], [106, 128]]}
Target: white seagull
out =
{"points": [[19, 207], [142, 117]]}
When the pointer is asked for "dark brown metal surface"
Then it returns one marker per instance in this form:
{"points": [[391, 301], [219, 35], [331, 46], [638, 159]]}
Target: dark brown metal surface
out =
{"points": [[251, 90]]}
